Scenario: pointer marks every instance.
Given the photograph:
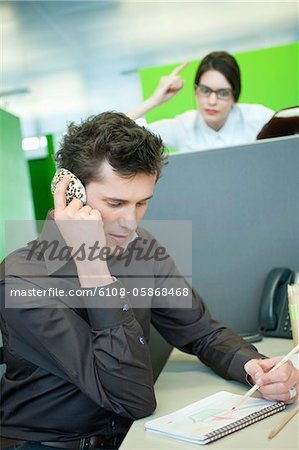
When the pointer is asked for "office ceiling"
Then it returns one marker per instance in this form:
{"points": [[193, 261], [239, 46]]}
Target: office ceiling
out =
{"points": [[62, 60]]}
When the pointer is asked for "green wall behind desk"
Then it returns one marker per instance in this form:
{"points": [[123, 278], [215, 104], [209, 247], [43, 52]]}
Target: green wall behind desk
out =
{"points": [[41, 173], [270, 77], [16, 199]]}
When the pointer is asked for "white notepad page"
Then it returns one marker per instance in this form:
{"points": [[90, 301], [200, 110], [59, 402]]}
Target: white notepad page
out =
{"points": [[208, 419]]}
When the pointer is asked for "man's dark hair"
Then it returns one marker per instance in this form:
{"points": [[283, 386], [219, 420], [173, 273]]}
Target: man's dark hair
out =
{"points": [[112, 137], [224, 63]]}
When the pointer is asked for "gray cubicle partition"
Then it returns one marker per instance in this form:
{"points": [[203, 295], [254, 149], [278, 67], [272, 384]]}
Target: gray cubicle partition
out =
{"points": [[243, 202]]}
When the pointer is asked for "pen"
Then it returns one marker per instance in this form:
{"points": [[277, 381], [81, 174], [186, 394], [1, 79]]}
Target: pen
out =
{"points": [[279, 426], [256, 386]]}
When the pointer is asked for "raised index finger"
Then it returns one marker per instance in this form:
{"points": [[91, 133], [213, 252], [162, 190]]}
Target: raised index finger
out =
{"points": [[179, 69], [59, 194]]}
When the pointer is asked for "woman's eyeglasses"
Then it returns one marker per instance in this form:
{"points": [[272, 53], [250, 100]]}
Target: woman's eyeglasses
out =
{"points": [[221, 94]]}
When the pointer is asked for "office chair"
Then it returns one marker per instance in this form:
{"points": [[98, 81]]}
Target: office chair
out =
{"points": [[284, 123]]}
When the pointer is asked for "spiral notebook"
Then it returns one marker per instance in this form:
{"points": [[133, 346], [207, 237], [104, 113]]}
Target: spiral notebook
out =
{"points": [[210, 419]]}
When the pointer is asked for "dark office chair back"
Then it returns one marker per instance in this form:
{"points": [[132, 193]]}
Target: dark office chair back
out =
{"points": [[284, 123]]}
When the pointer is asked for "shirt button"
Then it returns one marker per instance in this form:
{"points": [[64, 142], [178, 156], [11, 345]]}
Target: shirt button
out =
{"points": [[141, 340], [126, 307]]}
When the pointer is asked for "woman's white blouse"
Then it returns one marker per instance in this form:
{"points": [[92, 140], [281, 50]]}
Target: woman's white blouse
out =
{"points": [[188, 132]]}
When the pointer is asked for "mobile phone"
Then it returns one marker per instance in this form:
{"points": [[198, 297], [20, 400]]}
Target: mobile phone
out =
{"points": [[75, 188]]}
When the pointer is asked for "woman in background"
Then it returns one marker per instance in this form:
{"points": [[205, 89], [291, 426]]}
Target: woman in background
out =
{"points": [[219, 120]]}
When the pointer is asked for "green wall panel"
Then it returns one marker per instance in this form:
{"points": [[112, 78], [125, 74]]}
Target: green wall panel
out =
{"points": [[270, 77], [16, 200], [41, 174]]}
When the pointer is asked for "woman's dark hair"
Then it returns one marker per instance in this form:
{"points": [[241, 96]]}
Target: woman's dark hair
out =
{"points": [[224, 63], [111, 137]]}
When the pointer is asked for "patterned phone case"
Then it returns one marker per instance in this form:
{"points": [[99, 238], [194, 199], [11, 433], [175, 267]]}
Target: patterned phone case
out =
{"points": [[74, 189]]}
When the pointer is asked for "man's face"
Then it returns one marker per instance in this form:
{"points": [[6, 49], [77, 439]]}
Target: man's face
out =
{"points": [[214, 110], [122, 203]]}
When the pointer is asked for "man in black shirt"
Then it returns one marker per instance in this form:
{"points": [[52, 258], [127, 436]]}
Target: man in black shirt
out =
{"points": [[77, 303]]}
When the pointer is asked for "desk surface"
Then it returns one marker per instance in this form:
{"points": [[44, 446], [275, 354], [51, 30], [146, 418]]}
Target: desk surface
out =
{"points": [[185, 380]]}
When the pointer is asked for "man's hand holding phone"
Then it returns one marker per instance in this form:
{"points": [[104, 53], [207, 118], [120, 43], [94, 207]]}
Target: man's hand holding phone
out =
{"points": [[82, 228]]}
